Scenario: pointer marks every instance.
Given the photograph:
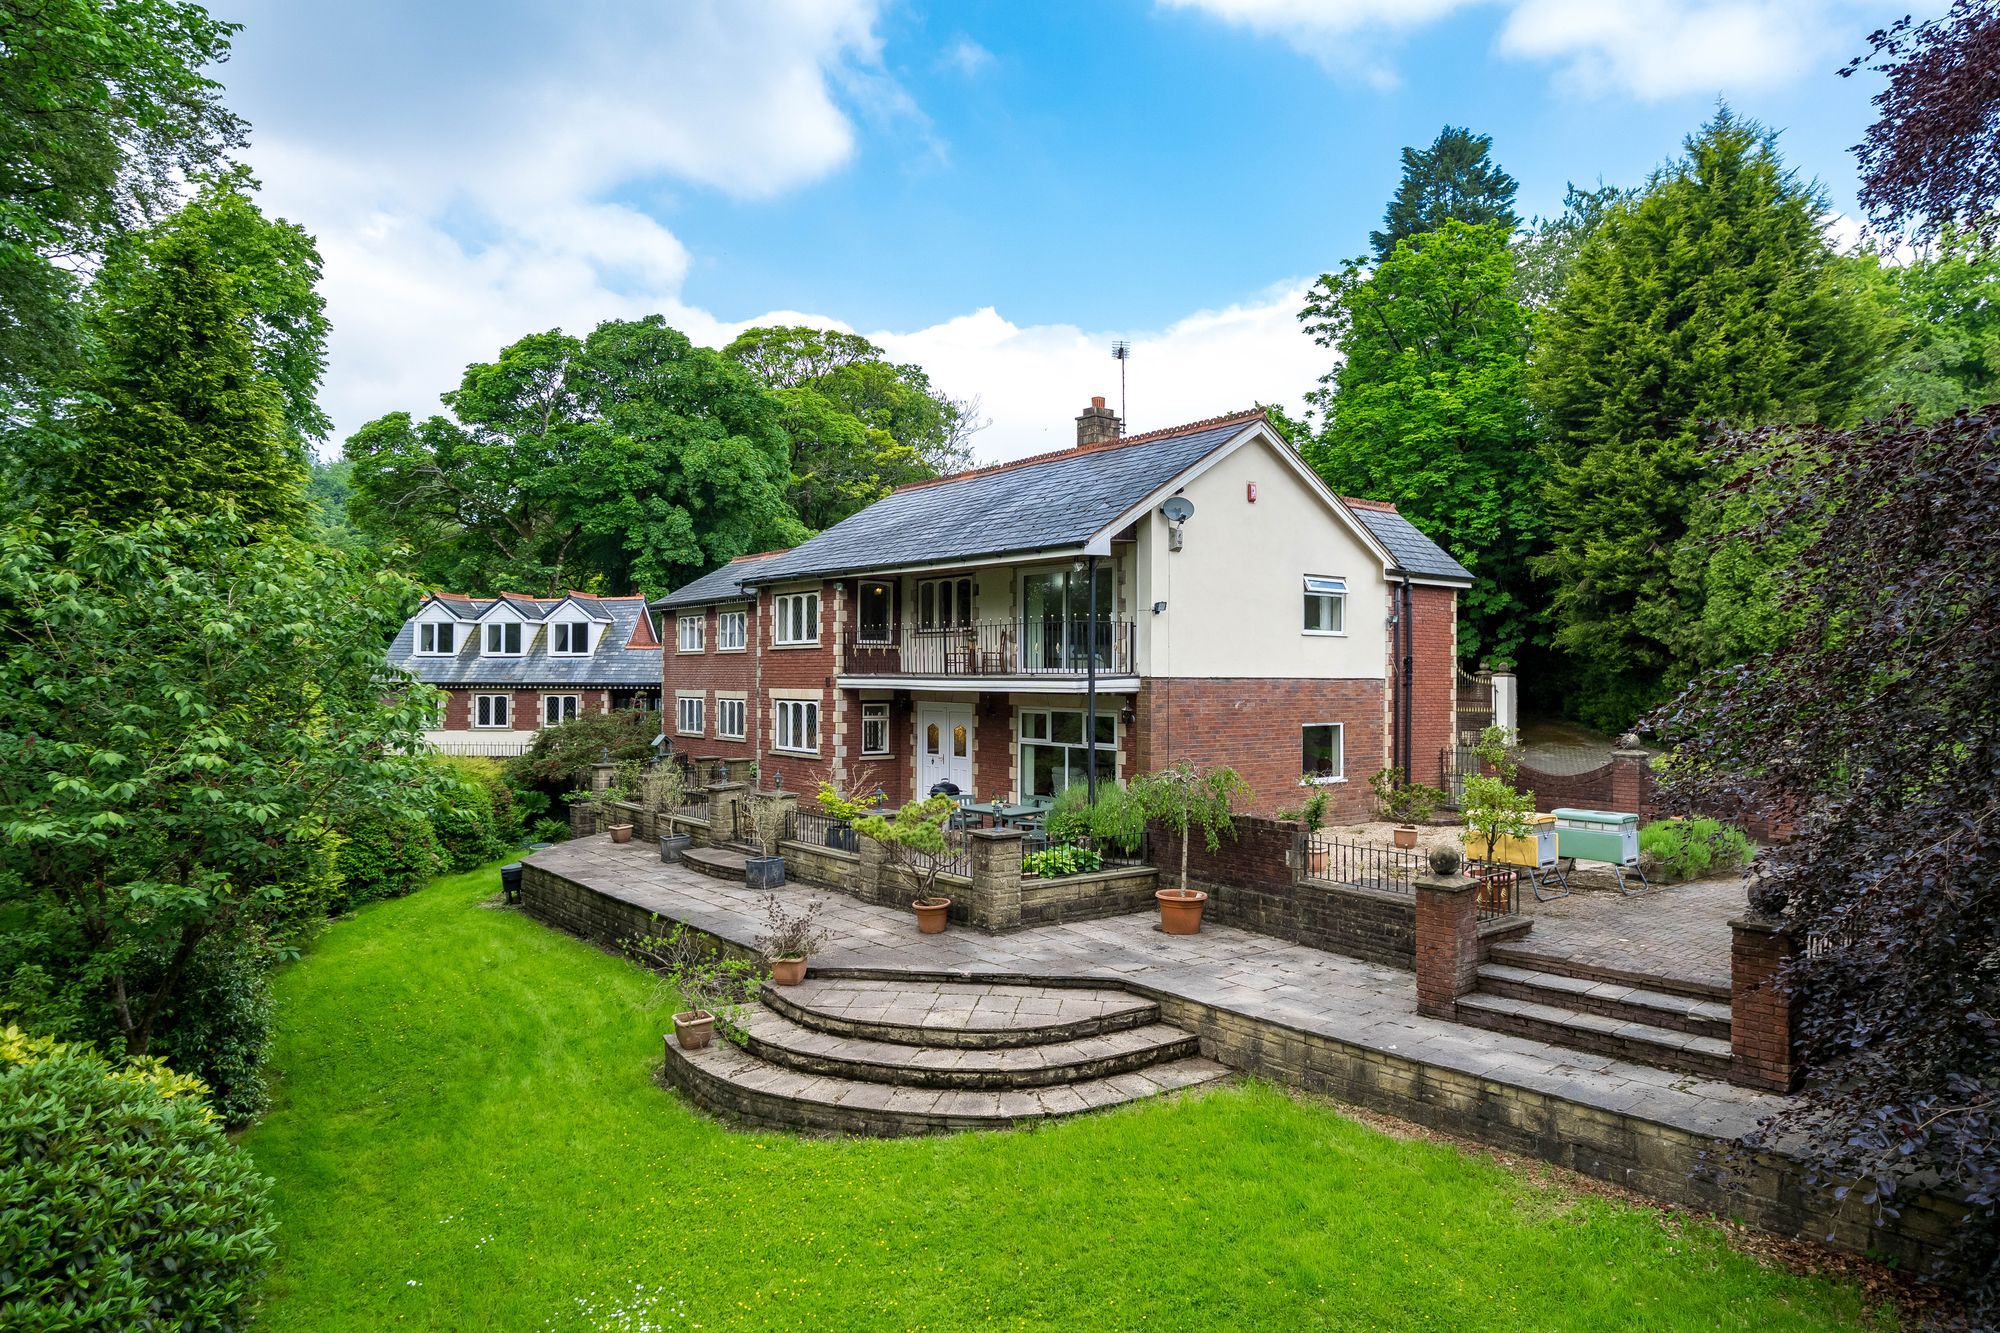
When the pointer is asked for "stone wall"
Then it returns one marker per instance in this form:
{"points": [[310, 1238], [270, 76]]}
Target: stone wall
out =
{"points": [[1087, 897]]}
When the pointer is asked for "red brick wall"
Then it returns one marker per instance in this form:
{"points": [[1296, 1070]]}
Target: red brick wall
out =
{"points": [[810, 668], [993, 747], [709, 671], [527, 708], [1434, 695], [1253, 725]]}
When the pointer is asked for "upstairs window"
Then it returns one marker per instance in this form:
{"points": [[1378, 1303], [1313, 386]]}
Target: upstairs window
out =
{"points": [[797, 618], [729, 718], [1326, 605], [732, 631], [944, 603], [570, 638], [798, 725], [873, 605], [503, 639], [691, 628], [688, 714], [437, 640]]}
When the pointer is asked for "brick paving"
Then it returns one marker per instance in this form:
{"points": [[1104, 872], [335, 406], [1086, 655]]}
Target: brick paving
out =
{"points": [[1258, 977], [1681, 931]]}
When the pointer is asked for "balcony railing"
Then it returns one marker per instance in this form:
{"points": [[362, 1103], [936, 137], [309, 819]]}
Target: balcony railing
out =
{"points": [[996, 648]]}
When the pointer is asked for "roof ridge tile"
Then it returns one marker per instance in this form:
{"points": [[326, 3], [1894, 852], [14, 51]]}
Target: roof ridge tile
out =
{"points": [[1101, 447]]}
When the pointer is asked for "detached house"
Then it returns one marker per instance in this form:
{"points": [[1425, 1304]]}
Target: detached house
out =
{"points": [[1190, 593], [511, 665]]}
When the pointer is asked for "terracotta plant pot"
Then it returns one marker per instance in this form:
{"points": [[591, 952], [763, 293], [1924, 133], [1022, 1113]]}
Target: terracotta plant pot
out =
{"points": [[621, 833], [694, 1031], [931, 915], [1495, 888], [1180, 910], [788, 971], [1406, 836]]}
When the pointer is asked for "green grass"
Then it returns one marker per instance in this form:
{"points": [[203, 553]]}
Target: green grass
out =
{"points": [[467, 1135]]}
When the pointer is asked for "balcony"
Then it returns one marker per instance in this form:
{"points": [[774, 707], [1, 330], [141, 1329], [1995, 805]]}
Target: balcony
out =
{"points": [[996, 650]]}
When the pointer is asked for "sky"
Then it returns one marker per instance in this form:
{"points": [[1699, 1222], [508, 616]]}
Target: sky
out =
{"points": [[994, 191]]}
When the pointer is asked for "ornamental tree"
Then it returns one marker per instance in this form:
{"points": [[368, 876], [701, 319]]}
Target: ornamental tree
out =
{"points": [[914, 839], [1185, 799], [189, 715], [1872, 729]]}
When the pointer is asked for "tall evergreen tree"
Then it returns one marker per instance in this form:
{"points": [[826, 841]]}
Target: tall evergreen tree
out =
{"points": [[1454, 178], [1429, 409], [1713, 297], [181, 418]]}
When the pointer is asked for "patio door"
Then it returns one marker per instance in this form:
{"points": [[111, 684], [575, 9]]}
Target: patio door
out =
{"points": [[944, 746], [1055, 621]]}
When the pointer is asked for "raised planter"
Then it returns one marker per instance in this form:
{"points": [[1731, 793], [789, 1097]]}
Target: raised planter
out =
{"points": [[673, 844], [1180, 910], [763, 872]]}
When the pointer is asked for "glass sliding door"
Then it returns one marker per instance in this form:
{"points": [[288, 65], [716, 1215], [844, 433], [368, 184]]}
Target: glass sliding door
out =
{"points": [[1056, 633]]}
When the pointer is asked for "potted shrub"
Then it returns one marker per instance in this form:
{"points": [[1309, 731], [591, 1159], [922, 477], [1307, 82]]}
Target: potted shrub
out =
{"points": [[766, 869], [1407, 804], [708, 987], [1185, 798], [665, 790], [845, 812], [790, 939], [1312, 813], [1494, 811], [917, 840]]}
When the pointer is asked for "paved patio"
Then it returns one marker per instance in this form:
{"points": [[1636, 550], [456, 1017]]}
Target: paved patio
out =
{"points": [[1681, 931], [1261, 978]]}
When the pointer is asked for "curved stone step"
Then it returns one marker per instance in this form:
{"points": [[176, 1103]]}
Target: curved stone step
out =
{"points": [[965, 1014], [731, 1082], [716, 862], [771, 1036]]}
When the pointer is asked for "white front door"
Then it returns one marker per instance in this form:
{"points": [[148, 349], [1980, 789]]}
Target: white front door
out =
{"points": [[944, 746]]}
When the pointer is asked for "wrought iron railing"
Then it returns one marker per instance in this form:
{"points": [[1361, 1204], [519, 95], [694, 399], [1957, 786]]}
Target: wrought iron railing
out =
{"points": [[1365, 865], [1499, 895], [996, 648]]}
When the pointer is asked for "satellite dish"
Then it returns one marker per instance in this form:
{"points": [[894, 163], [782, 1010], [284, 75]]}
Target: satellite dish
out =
{"points": [[1178, 509]]}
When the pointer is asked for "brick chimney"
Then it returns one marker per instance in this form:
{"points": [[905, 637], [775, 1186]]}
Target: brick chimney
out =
{"points": [[1096, 424]]}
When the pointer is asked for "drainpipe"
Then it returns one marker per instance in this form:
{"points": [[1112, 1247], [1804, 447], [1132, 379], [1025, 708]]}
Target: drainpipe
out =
{"points": [[1090, 689], [1409, 682]]}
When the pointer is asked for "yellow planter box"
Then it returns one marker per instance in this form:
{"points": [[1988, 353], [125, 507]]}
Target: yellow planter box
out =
{"points": [[1537, 849]]}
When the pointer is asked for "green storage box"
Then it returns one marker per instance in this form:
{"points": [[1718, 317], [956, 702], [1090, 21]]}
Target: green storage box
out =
{"points": [[1598, 835]]}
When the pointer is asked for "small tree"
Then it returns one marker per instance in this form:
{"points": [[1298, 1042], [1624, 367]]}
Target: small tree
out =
{"points": [[767, 823], [704, 983], [1312, 810], [915, 839], [1184, 798], [1406, 802], [665, 790], [1494, 810]]}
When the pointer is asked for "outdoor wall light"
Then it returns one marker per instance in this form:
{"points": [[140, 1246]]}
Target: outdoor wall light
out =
{"points": [[1159, 608]]}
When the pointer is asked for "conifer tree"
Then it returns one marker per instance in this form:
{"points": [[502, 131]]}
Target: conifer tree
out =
{"points": [[1453, 178], [1711, 298]]}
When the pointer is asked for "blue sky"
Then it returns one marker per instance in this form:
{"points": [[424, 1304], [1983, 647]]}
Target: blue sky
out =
{"points": [[994, 190]]}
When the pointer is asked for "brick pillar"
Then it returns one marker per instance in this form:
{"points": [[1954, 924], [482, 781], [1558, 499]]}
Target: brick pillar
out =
{"points": [[996, 879], [1447, 943], [723, 798], [1762, 1049], [1630, 774]]}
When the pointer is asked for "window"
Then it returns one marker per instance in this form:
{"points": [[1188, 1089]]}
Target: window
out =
{"points": [[503, 639], [491, 710], [873, 603], [729, 719], [570, 638], [798, 617], [436, 640], [944, 603], [1055, 619], [1053, 754], [731, 631], [874, 729], [691, 628], [1326, 605], [688, 710], [558, 708], [798, 724], [1325, 759]]}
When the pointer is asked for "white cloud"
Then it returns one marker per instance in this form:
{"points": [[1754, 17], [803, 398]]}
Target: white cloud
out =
{"points": [[1648, 49], [967, 57]]}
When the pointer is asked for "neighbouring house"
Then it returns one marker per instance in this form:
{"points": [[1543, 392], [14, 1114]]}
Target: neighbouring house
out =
{"points": [[1193, 593], [510, 665]]}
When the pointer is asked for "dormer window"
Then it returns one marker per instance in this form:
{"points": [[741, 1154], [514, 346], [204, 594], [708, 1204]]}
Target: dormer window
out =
{"points": [[570, 638], [503, 639], [437, 640]]}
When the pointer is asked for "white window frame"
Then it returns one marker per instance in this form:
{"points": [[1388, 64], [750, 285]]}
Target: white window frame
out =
{"points": [[484, 703], [874, 718], [732, 718], [575, 709], [1327, 591], [689, 632], [732, 631], [433, 630], [961, 590], [1339, 754], [690, 714], [563, 637], [795, 611], [498, 630], [792, 717]]}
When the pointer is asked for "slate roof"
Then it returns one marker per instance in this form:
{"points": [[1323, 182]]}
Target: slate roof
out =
{"points": [[718, 585], [1053, 502], [1413, 551], [613, 663]]}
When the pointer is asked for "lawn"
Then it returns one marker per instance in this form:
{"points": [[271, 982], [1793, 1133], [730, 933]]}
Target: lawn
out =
{"points": [[466, 1135]]}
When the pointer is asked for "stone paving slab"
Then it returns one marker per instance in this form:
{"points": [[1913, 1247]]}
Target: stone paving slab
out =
{"points": [[957, 1013], [1325, 994]]}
